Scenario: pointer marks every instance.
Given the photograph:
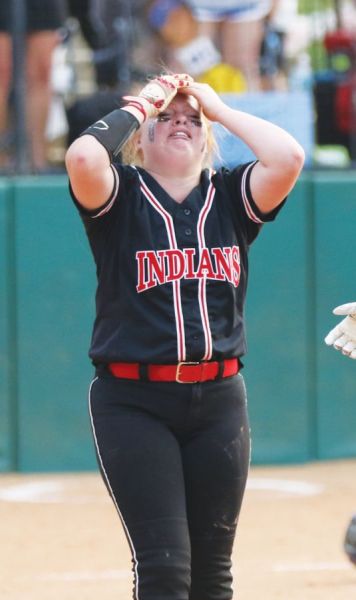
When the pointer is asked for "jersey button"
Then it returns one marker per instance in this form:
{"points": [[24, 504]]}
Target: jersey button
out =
{"points": [[187, 211], [188, 231]]}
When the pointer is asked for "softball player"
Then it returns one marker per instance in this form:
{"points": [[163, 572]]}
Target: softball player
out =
{"points": [[170, 239], [343, 338]]}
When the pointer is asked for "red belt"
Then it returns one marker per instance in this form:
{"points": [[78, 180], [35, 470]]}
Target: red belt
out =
{"points": [[183, 372]]}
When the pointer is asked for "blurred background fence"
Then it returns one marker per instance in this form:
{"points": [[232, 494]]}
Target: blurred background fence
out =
{"points": [[72, 65], [76, 65]]}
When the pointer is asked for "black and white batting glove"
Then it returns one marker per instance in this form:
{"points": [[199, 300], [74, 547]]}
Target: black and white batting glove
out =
{"points": [[157, 94], [343, 336]]}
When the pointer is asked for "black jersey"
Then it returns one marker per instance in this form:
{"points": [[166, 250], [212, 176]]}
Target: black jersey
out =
{"points": [[172, 276]]}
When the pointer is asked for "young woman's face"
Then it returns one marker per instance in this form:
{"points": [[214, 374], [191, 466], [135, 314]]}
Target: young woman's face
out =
{"points": [[177, 135]]}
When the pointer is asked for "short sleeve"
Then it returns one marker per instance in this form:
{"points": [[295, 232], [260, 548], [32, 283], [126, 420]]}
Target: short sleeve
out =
{"points": [[236, 189], [101, 210]]}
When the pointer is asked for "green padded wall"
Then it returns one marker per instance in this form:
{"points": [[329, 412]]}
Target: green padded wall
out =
{"points": [[277, 369], [335, 244], [301, 393], [7, 341], [55, 288]]}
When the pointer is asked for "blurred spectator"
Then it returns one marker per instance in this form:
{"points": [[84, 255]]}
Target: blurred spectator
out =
{"points": [[122, 55], [237, 29], [273, 64], [186, 51], [42, 26], [113, 29]]}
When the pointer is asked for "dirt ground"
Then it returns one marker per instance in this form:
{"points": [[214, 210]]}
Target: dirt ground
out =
{"points": [[61, 538]]}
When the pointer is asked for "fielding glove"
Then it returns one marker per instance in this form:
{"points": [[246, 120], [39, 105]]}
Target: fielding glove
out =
{"points": [[157, 94], [343, 336]]}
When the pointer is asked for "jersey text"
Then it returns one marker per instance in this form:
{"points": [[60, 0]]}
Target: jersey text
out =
{"points": [[164, 266]]}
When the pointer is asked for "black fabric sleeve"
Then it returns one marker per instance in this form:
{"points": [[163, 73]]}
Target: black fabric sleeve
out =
{"points": [[252, 210], [104, 208], [236, 184]]}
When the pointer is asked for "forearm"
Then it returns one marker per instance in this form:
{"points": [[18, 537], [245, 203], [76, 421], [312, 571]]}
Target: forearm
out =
{"points": [[114, 129], [271, 145], [280, 157], [89, 158], [100, 143], [275, 149]]}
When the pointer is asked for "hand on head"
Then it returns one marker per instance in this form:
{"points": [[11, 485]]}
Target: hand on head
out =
{"points": [[158, 93], [210, 102]]}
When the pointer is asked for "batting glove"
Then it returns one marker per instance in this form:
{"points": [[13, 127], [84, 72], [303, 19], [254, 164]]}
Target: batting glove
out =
{"points": [[343, 336], [157, 94]]}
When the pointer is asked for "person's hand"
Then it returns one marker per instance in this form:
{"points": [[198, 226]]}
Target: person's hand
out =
{"points": [[158, 93], [343, 336], [210, 102]]}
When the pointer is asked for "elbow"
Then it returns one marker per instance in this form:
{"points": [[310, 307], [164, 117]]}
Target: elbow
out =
{"points": [[76, 158], [297, 158], [293, 161], [86, 156]]}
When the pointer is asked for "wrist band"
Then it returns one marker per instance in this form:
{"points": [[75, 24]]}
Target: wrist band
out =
{"points": [[113, 130], [139, 107]]}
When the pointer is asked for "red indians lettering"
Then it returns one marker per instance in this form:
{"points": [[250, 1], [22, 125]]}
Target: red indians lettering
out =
{"points": [[163, 266]]}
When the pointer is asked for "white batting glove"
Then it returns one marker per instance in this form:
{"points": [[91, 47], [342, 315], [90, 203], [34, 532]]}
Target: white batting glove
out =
{"points": [[343, 336], [158, 93]]}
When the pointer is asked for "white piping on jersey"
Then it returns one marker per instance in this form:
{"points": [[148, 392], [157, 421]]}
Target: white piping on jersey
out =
{"points": [[133, 551], [177, 299], [249, 211], [114, 194], [176, 284], [202, 282]]}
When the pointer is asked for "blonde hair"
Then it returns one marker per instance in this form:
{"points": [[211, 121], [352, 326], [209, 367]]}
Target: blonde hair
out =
{"points": [[131, 153]]}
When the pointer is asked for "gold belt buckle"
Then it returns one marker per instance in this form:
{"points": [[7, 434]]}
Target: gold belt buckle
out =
{"points": [[182, 364]]}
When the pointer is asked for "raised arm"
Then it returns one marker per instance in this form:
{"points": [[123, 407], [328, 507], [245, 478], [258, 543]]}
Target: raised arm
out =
{"points": [[280, 156], [88, 159]]}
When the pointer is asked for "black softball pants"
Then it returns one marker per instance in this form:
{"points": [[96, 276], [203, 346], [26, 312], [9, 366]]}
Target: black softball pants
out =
{"points": [[175, 459]]}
